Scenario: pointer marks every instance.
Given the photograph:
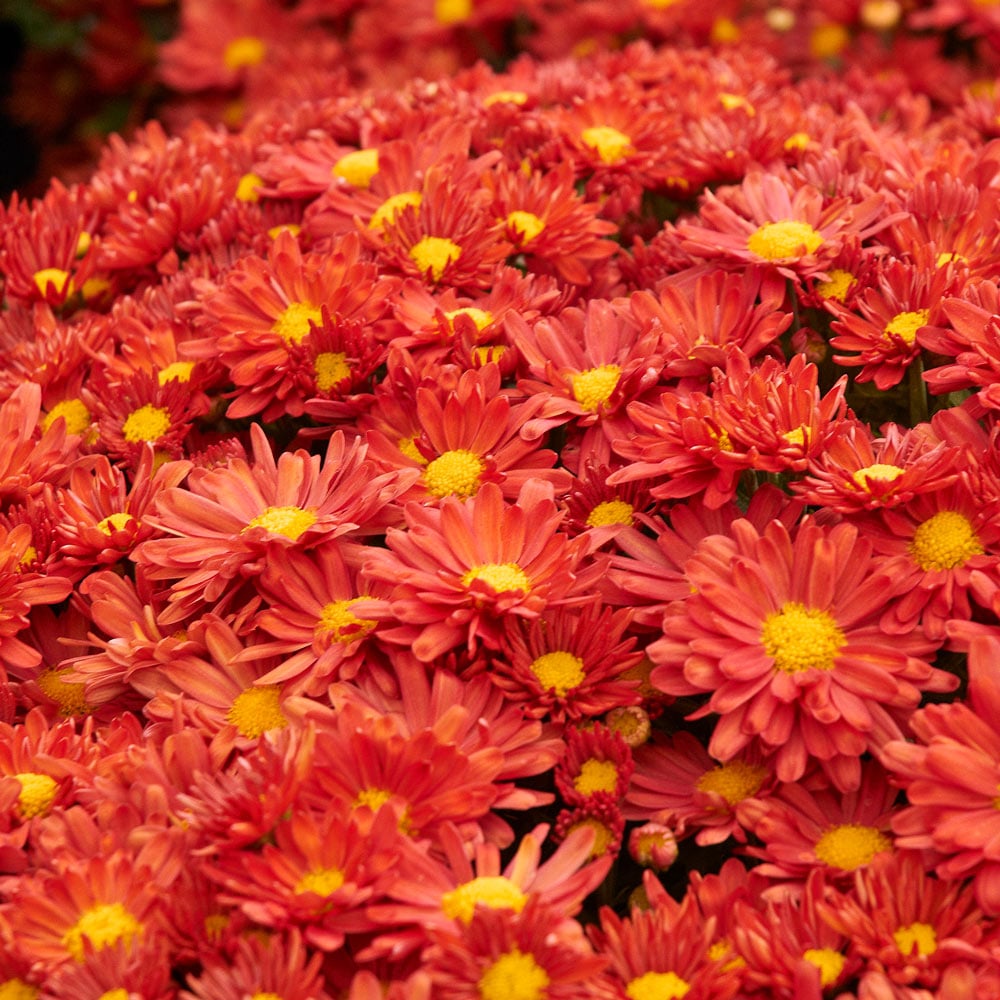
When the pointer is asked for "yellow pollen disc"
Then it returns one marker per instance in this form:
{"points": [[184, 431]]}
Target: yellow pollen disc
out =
{"points": [[878, 473], [289, 522], [489, 353], [53, 276], [525, 224], [94, 288], [245, 51], [357, 168], [660, 4], [494, 891], [247, 188], [797, 435], [610, 144], [30, 555], [117, 994], [177, 371], [322, 881], [215, 924], [904, 325], [630, 722], [596, 776], [148, 423], [506, 97], [102, 925], [921, 937], [725, 31], [257, 710], [733, 101], [17, 989], [610, 512], [434, 254], [594, 386], [881, 15], [38, 791], [946, 257], [657, 986], [331, 369], [604, 837], [828, 40], [284, 227], [851, 846], [515, 975], [480, 317], [448, 12], [408, 446], [296, 321], [829, 962], [455, 473], [559, 672], [735, 780], [373, 798], [801, 638], [73, 411], [68, 696], [267, 996], [83, 243], [784, 240], [797, 140], [500, 576], [392, 206], [944, 541], [339, 624]]}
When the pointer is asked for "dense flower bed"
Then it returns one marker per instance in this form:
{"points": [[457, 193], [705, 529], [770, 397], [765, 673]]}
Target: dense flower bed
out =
{"points": [[528, 534]]}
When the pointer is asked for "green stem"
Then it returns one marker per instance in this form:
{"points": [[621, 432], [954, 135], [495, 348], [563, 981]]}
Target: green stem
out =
{"points": [[917, 392]]}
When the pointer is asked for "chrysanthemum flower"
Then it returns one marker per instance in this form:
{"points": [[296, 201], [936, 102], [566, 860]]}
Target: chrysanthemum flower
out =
{"points": [[219, 528], [601, 815], [782, 633], [140, 967], [569, 664], [457, 569], [597, 762]]}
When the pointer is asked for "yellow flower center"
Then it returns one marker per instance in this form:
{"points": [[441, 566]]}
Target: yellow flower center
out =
{"points": [[29, 557], [904, 325], [657, 986], [797, 435], [148, 423], [73, 411], [489, 353], [434, 254], [117, 994], [53, 276], [945, 541], [494, 891], [331, 369], [610, 144], [257, 710], [289, 522], [339, 624], [17, 989], [506, 97], [610, 512], [525, 224], [828, 40], [68, 696], [593, 387], [500, 576], [801, 638], [515, 975], [851, 846], [735, 780], [322, 881], [733, 102], [296, 321], [373, 798], [480, 317], [215, 925], [559, 671], [114, 522], [102, 925], [284, 227], [247, 188], [784, 240], [408, 446], [878, 472], [829, 962], [725, 31], [448, 12], [950, 257], [246, 51], [267, 996], [38, 791], [453, 473], [178, 371], [392, 206], [921, 937], [596, 776], [357, 168], [603, 835], [797, 140]]}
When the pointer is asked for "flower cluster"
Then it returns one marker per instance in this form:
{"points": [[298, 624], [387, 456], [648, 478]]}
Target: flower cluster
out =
{"points": [[529, 534]]}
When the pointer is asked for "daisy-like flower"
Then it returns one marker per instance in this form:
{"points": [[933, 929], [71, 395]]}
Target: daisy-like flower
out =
{"points": [[782, 634], [803, 828], [951, 777], [456, 570], [134, 967], [677, 783], [597, 762], [219, 528], [601, 815], [768, 220], [569, 664]]}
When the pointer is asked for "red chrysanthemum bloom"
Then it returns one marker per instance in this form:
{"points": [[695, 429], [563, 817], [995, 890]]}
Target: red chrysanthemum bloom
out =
{"points": [[782, 634], [458, 569], [602, 816], [677, 783], [597, 762], [569, 664], [136, 967], [219, 528], [805, 826], [501, 950], [951, 778]]}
